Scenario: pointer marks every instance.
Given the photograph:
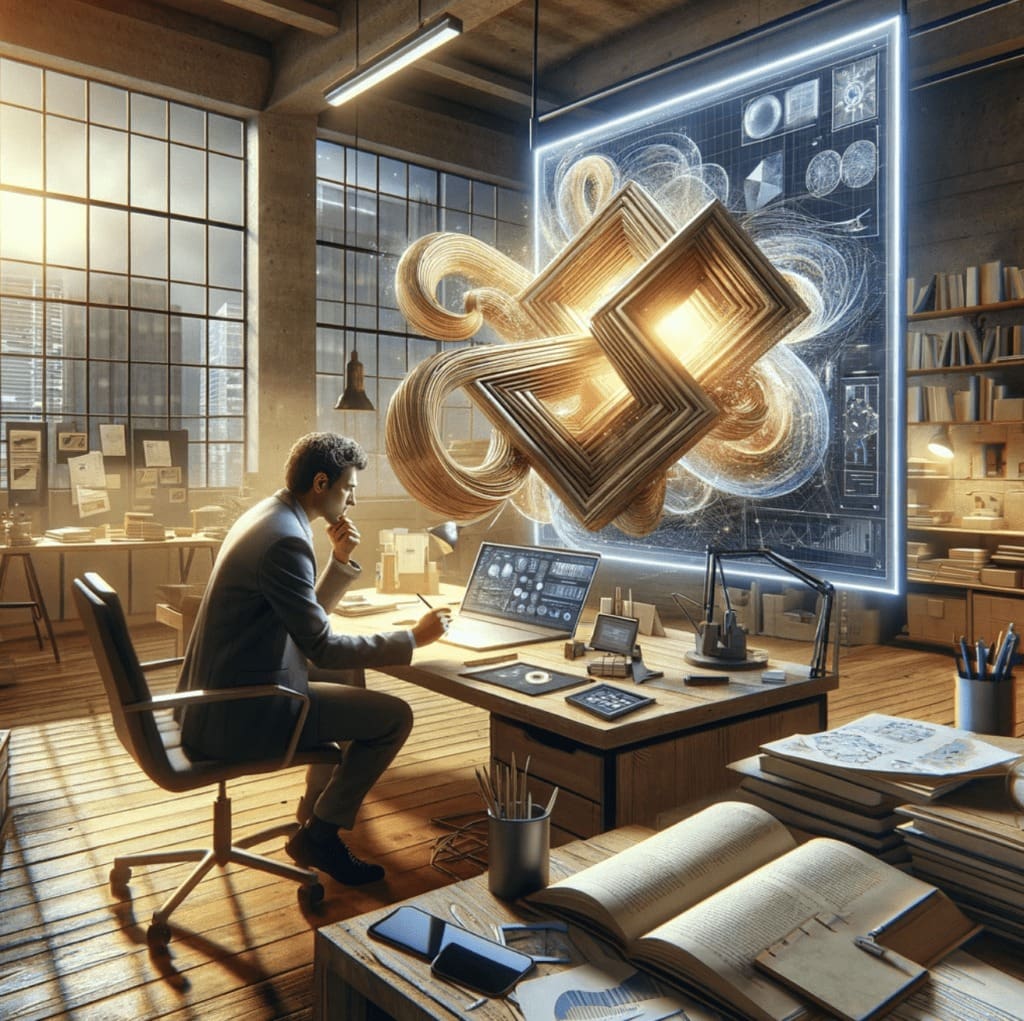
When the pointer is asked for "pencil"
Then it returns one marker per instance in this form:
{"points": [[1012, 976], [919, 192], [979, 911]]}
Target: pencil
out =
{"points": [[423, 601]]}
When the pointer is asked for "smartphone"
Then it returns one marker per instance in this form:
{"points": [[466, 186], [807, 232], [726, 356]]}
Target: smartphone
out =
{"points": [[413, 930], [457, 954], [480, 964]]}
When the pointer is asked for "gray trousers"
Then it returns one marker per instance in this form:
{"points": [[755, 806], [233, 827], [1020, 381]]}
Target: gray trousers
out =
{"points": [[371, 725]]}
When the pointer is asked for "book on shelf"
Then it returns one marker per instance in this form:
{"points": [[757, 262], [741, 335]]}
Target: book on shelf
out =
{"points": [[971, 284], [990, 282], [1013, 283], [699, 901], [973, 554]]}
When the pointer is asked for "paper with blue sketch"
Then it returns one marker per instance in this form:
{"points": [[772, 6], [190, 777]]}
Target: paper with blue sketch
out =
{"points": [[610, 990], [895, 745]]}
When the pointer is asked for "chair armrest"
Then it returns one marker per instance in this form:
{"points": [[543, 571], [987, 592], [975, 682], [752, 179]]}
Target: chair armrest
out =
{"points": [[159, 664], [207, 696]]}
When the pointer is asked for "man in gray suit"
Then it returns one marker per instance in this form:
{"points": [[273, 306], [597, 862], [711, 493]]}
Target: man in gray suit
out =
{"points": [[263, 620]]}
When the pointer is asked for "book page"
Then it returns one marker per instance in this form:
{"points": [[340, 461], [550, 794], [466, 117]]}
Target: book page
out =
{"points": [[731, 927], [967, 989], [657, 878]]}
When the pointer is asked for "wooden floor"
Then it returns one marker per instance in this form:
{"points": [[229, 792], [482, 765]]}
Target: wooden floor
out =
{"points": [[242, 946]]}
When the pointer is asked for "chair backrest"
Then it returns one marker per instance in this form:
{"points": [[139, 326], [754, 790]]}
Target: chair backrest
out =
{"points": [[103, 617]]}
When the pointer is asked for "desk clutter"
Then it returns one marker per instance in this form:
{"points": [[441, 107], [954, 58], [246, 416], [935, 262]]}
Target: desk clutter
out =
{"points": [[971, 845], [669, 904], [824, 784]]}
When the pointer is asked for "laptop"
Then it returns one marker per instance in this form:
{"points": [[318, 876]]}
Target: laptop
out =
{"points": [[522, 594]]}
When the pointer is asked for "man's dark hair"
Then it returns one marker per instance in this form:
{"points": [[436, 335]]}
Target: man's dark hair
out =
{"points": [[321, 452]]}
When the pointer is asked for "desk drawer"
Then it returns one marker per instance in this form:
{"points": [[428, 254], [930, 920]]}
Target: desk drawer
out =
{"points": [[553, 758]]}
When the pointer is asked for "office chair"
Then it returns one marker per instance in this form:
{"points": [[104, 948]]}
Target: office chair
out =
{"points": [[146, 727]]}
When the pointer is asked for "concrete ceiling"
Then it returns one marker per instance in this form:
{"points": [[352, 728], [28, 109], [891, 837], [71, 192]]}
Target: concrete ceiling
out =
{"points": [[279, 56]]}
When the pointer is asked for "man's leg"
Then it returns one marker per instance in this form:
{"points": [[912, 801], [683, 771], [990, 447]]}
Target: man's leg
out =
{"points": [[375, 726]]}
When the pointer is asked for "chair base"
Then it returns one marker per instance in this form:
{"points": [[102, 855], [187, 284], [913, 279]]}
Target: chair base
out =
{"points": [[223, 853]]}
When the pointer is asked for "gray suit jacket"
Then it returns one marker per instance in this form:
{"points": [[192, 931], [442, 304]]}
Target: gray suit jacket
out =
{"points": [[263, 621]]}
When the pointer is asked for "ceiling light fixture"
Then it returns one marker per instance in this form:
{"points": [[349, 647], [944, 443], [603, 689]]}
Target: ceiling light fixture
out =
{"points": [[428, 37], [354, 398]]}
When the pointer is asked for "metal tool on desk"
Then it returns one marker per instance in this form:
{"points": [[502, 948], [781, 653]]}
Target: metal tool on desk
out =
{"points": [[723, 644]]}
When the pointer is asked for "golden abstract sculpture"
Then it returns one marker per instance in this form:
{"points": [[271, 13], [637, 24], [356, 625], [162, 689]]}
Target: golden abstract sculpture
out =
{"points": [[624, 351], [426, 262]]}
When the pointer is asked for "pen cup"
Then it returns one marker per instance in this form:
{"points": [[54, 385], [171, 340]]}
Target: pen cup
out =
{"points": [[518, 854], [986, 706]]}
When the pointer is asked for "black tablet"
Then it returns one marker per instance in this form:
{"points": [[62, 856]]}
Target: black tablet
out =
{"points": [[607, 701], [614, 634]]}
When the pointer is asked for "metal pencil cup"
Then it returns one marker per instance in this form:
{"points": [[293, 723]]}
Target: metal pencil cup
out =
{"points": [[518, 854], [986, 707]]}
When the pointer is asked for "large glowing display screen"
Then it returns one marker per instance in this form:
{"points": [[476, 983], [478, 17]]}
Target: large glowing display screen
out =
{"points": [[804, 153]]}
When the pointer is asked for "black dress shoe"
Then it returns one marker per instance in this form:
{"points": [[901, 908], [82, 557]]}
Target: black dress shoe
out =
{"points": [[333, 857]]}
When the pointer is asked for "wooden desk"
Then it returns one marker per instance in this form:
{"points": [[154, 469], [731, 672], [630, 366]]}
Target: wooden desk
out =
{"points": [[356, 977], [185, 546], [616, 773], [352, 972]]}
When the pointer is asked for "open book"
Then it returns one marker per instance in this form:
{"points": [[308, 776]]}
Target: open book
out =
{"points": [[699, 901]]}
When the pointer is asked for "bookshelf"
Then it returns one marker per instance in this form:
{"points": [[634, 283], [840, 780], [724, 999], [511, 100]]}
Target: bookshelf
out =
{"points": [[965, 514]]}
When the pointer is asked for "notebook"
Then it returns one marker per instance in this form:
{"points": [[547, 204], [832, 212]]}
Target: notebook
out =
{"points": [[522, 594]]}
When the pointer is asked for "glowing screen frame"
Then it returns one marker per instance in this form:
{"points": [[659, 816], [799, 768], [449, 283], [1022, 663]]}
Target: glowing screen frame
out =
{"points": [[806, 153]]}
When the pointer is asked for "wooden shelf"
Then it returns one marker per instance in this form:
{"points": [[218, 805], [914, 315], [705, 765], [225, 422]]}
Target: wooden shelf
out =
{"points": [[938, 423], [952, 370], [967, 586], [967, 311], [965, 528]]}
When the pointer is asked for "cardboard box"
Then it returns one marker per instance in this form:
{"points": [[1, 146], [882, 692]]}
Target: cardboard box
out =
{"points": [[993, 613], [1008, 409], [936, 618], [1002, 577]]}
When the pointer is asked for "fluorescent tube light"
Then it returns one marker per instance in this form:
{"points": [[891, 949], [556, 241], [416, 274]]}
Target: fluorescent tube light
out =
{"points": [[427, 38]]}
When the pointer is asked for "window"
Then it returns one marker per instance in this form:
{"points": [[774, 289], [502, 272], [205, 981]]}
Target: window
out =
{"points": [[369, 209], [122, 266]]}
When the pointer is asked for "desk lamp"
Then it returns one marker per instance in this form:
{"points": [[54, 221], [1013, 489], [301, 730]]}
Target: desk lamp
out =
{"points": [[724, 645]]}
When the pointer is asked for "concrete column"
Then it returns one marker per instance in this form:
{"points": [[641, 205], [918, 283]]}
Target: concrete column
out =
{"points": [[282, 290]]}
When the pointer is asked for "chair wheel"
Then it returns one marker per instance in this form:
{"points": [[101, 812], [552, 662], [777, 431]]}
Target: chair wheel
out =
{"points": [[158, 935], [311, 896], [119, 876]]}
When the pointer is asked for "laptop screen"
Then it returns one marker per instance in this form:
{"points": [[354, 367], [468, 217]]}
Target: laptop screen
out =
{"points": [[531, 585]]}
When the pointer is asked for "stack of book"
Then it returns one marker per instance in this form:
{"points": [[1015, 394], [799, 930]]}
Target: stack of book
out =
{"points": [[971, 845], [816, 803], [1008, 554], [141, 525], [847, 782], [71, 533], [960, 572]]}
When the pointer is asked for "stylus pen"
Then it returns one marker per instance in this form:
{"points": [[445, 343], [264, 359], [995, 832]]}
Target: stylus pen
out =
{"points": [[423, 601]]}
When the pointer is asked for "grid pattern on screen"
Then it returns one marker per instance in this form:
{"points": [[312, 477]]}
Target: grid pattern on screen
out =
{"points": [[122, 266], [369, 209], [802, 153]]}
